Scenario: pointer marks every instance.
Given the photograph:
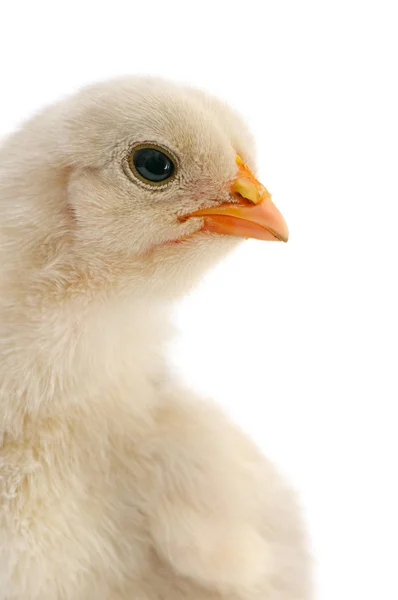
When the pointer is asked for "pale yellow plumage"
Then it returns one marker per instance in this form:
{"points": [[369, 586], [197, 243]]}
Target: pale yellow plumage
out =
{"points": [[116, 483]]}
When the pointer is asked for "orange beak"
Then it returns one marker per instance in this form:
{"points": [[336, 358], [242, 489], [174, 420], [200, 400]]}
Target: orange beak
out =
{"points": [[252, 215]]}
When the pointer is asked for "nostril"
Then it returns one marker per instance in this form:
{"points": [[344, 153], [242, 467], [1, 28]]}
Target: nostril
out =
{"points": [[248, 188], [237, 197]]}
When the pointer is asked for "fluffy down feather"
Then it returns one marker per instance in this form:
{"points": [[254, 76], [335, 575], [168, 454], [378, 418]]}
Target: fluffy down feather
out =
{"points": [[116, 483]]}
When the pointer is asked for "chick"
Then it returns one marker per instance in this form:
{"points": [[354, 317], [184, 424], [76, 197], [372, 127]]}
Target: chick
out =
{"points": [[116, 482]]}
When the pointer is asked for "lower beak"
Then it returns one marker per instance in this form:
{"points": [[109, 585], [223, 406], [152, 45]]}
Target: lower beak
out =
{"points": [[251, 215]]}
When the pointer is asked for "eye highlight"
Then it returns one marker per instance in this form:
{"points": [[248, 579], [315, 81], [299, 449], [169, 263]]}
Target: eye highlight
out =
{"points": [[151, 164]]}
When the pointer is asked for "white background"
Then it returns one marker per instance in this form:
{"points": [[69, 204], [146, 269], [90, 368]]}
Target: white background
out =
{"points": [[298, 341]]}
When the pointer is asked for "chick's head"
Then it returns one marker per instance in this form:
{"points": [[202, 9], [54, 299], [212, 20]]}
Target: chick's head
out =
{"points": [[150, 179]]}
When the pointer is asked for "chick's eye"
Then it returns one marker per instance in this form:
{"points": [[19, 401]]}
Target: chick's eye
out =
{"points": [[151, 165]]}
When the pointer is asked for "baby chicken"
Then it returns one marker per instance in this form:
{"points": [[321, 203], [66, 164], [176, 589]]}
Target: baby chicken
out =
{"points": [[116, 482]]}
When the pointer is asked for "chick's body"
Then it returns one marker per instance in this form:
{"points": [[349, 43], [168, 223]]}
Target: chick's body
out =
{"points": [[115, 482]]}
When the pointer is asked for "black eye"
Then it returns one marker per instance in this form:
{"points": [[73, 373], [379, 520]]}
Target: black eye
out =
{"points": [[151, 164]]}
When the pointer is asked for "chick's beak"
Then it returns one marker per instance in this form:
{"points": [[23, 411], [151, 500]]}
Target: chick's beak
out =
{"points": [[251, 215]]}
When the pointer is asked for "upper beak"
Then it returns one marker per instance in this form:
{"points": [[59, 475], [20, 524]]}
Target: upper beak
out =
{"points": [[251, 215]]}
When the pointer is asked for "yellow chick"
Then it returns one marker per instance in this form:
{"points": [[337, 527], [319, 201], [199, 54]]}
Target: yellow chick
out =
{"points": [[116, 482]]}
